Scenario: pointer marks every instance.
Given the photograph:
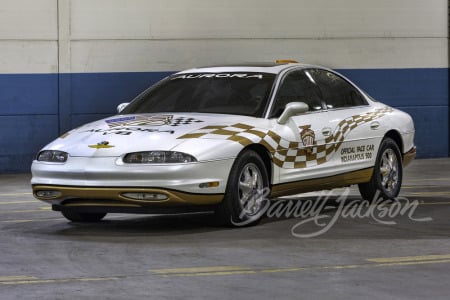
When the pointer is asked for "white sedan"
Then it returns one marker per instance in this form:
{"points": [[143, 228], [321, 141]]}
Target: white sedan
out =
{"points": [[226, 139]]}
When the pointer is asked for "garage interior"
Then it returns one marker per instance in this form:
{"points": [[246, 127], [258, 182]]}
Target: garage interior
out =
{"points": [[64, 63]]}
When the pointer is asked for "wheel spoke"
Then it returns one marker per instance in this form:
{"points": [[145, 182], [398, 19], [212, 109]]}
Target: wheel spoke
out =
{"points": [[255, 179], [245, 187], [244, 200], [384, 170], [389, 170], [250, 187], [390, 159]]}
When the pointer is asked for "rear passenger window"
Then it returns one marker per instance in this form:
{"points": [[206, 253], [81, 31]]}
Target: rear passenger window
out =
{"points": [[336, 91]]}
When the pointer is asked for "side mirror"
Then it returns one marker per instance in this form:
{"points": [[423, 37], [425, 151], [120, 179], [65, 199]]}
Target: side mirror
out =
{"points": [[292, 109], [121, 107]]}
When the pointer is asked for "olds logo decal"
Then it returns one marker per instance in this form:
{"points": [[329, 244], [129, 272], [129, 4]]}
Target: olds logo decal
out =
{"points": [[308, 138], [101, 145]]}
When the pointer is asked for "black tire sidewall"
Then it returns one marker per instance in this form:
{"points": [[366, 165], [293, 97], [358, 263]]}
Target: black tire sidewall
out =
{"points": [[231, 200], [388, 143]]}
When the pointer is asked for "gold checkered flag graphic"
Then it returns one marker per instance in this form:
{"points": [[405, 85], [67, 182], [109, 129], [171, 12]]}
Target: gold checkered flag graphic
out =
{"points": [[288, 154]]}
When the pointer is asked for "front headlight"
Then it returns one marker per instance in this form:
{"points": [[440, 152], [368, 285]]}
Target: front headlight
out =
{"points": [[158, 157], [52, 156]]}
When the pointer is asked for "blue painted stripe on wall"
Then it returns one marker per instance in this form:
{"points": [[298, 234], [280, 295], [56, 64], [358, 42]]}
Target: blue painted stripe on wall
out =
{"points": [[28, 94], [432, 130], [80, 119], [404, 87], [22, 137], [423, 93], [36, 108], [100, 93]]}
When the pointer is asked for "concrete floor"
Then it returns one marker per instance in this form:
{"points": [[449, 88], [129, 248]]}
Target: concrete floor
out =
{"points": [[178, 257]]}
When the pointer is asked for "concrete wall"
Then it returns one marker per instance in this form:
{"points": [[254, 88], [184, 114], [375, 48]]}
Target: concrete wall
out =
{"points": [[63, 63]]}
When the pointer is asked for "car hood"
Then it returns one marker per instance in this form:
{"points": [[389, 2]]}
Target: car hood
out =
{"points": [[121, 134]]}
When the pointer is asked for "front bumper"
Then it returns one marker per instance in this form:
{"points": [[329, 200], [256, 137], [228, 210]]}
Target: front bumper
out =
{"points": [[70, 196], [102, 182]]}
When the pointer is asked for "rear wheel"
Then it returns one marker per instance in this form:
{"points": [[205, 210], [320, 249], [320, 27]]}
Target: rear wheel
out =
{"points": [[246, 193], [387, 175], [75, 216]]}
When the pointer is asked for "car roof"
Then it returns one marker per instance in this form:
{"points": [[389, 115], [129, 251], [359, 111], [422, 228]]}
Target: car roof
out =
{"points": [[273, 68]]}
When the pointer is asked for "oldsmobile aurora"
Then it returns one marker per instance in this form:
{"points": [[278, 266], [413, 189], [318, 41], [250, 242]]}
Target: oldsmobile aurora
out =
{"points": [[222, 139]]}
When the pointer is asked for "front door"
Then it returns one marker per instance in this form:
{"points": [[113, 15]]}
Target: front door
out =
{"points": [[303, 151]]}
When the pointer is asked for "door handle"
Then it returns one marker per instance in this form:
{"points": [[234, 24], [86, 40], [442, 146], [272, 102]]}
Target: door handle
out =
{"points": [[326, 131], [374, 125]]}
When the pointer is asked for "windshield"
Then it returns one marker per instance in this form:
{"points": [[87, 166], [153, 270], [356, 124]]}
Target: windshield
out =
{"points": [[222, 93]]}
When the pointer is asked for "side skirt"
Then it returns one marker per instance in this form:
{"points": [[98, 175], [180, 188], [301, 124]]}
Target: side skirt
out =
{"points": [[326, 183]]}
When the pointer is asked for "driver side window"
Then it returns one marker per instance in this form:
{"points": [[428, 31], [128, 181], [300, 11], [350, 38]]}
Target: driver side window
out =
{"points": [[296, 87]]}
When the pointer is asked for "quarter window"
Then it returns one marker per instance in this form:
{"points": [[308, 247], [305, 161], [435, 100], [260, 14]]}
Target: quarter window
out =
{"points": [[336, 91]]}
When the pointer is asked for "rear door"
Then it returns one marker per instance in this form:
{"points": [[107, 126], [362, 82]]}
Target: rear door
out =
{"points": [[352, 133]]}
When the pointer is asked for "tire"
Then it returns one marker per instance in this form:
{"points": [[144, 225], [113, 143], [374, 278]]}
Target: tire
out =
{"points": [[387, 176], [245, 201], [75, 216]]}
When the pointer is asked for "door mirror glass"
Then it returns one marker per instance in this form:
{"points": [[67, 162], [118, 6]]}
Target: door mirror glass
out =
{"points": [[122, 106], [292, 109]]}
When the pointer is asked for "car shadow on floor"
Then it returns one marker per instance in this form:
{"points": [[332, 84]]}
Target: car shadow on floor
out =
{"points": [[348, 219]]}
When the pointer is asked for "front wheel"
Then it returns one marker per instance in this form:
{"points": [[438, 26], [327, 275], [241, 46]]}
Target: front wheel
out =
{"points": [[75, 216], [246, 193], [387, 176]]}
